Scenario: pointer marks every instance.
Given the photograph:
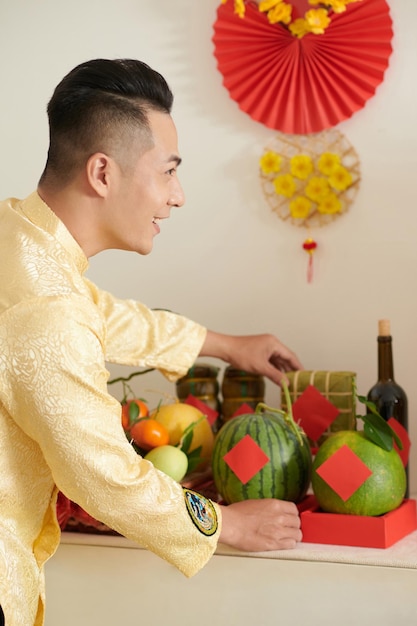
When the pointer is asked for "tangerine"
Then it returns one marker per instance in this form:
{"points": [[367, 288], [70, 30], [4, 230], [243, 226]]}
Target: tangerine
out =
{"points": [[381, 492], [132, 411], [147, 433]]}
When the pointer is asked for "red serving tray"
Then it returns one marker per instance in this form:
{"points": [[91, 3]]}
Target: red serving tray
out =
{"points": [[356, 530]]}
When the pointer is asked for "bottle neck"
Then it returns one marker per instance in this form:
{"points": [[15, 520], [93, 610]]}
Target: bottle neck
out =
{"points": [[385, 360]]}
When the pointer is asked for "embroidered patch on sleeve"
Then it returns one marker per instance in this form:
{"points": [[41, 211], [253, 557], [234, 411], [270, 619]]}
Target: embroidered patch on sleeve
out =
{"points": [[202, 512]]}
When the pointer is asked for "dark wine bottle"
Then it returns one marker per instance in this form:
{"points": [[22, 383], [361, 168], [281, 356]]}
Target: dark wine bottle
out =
{"points": [[389, 398]]}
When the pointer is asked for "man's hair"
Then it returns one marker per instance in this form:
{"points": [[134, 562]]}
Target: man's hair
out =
{"points": [[98, 107]]}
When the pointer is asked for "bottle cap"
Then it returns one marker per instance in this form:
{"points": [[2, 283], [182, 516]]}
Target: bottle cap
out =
{"points": [[384, 329]]}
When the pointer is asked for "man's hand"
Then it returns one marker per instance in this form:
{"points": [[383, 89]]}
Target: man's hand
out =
{"points": [[259, 354], [260, 525]]}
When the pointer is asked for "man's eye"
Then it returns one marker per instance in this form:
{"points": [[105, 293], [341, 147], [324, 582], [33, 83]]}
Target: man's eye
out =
{"points": [[172, 171]]}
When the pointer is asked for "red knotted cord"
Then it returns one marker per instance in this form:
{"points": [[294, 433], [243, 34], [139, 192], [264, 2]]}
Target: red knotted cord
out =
{"points": [[309, 246]]}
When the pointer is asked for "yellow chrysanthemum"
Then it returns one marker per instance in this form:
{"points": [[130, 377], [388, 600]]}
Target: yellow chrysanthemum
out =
{"points": [[317, 20], [317, 188], [270, 162], [330, 204], [239, 7], [328, 162], [299, 27], [266, 5], [301, 166], [341, 178], [339, 6], [285, 185], [280, 13], [300, 207]]}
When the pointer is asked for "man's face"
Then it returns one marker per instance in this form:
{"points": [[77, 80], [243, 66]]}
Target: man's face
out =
{"points": [[141, 195]]}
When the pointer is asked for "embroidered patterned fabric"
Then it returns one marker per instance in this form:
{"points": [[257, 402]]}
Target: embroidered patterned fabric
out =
{"points": [[59, 427]]}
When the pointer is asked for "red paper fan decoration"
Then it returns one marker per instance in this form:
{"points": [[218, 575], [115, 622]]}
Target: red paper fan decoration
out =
{"points": [[303, 85]]}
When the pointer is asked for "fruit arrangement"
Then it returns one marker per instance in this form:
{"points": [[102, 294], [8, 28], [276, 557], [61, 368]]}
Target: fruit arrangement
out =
{"points": [[176, 437], [179, 440]]}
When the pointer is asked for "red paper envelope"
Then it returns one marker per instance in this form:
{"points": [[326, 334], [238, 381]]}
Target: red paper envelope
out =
{"points": [[405, 440], [243, 410], [314, 413], [210, 413]]}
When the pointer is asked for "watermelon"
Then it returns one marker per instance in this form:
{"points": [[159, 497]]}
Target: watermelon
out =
{"points": [[287, 473]]}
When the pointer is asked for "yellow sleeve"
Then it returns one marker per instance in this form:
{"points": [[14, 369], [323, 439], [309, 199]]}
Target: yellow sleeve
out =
{"points": [[139, 336]]}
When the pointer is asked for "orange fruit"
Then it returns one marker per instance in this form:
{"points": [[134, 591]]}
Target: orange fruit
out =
{"points": [[176, 417], [381, 492], [147, 433], [132, 411]]}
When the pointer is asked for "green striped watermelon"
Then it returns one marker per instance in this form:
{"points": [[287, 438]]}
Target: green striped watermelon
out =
{"points": [[285, 476]]}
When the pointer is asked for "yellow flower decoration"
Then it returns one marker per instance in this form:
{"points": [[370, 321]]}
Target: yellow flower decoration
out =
{"points": [[240, 8], [299, 27], [285, 185], [301, 166], [280, 13], [270, 162], [330, 204], [341, 178], [267, 5], [338, 6], [328, 162], [317, 188], [318, 177], [317, 20], [300, 207]]}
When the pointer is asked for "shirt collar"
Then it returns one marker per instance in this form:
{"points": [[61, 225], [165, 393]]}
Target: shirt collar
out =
{"points": [[39, 213]]}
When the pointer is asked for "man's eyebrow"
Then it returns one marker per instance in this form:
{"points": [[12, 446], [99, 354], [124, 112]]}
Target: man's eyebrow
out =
{"points": [[176, 158]]}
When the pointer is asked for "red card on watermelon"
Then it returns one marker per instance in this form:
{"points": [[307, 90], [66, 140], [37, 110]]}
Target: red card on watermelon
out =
{"points": [[246, 458]]}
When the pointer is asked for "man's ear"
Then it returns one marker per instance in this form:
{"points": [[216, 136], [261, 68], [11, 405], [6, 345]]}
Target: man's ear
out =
{"points": [[98, 169]]}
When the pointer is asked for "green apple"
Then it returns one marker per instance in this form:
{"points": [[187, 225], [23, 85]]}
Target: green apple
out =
{"points": [[170, 460]]}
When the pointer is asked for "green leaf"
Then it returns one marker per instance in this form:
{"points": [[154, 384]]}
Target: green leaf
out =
{"points": [[186, 441], [194, 459], [187, 435], [369, 405], [378, 437], [133, 411], [379, 431]]}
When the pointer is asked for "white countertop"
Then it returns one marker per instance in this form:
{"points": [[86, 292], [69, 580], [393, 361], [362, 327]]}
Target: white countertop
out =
{"points": [[402, 554]]}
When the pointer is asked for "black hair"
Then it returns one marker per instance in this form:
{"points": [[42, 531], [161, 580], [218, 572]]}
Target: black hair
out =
{"points": [[96, 107]]}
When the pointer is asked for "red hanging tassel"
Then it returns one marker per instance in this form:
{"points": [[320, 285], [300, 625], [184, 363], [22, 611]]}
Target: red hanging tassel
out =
{"points": [[309, 246]]}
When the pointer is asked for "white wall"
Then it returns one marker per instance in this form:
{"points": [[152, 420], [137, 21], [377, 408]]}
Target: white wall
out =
{"points": [[225, 259]]}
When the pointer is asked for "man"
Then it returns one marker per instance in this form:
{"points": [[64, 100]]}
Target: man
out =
{"points": [[109, 181]]}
